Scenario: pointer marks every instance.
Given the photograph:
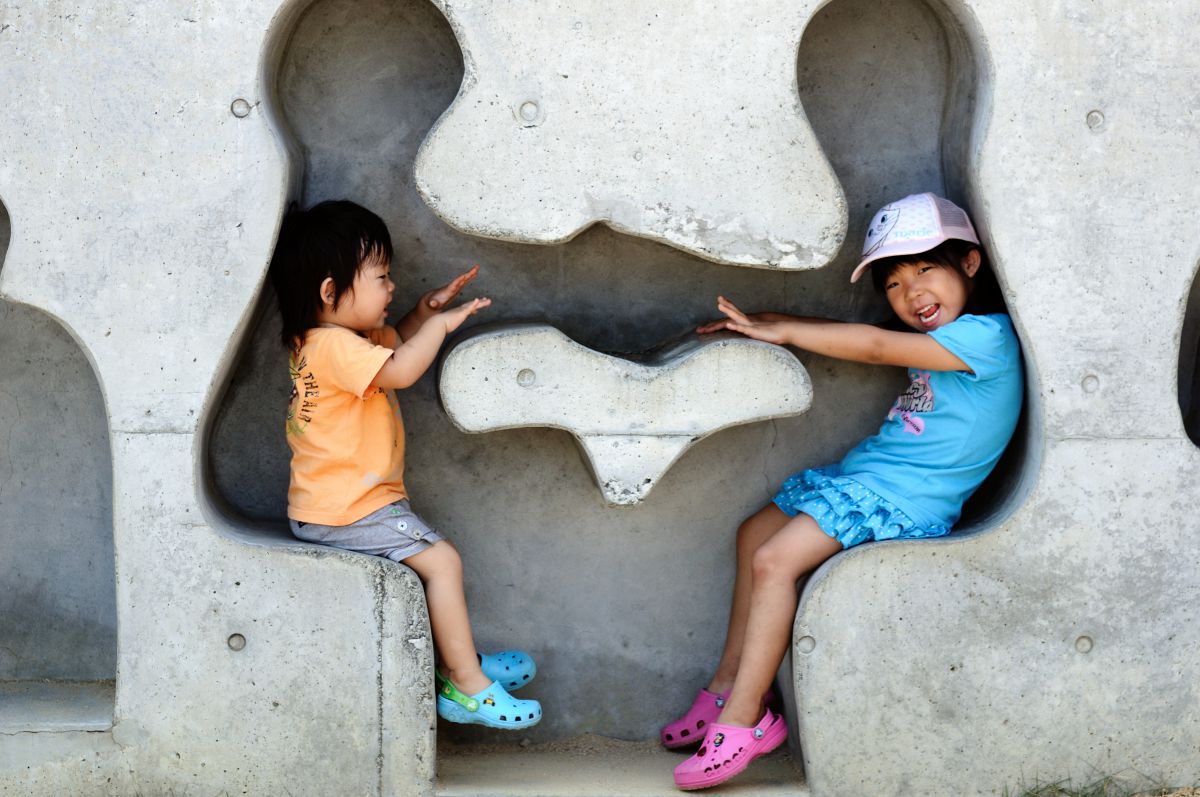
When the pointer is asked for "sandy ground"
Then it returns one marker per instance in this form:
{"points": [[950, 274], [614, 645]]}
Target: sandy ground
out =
{"points": [[596, 766]]}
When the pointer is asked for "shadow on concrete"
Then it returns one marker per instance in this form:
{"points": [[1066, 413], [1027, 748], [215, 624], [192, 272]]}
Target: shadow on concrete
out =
{"points": [[57, 583], [585, 588], [1189, 364], [897, 113]]}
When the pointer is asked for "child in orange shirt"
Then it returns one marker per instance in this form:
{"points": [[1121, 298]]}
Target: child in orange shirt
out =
{"points": [[331, 274]]}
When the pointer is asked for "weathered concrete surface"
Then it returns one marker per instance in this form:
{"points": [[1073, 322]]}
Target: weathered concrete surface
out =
{"points": [[559, 149], [58, 612], [1063, 642], [55, 706], [595, 766], [632, 419], [143, 215], [546, 560]]}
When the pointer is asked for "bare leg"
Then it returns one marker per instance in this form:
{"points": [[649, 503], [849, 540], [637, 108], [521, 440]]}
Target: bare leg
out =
{"points": [[440, 570], [751, 535], [793, 551]]}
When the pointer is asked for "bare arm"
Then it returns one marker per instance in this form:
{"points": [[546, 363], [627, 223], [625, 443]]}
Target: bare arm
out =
{"points": [[413, 356], [856, 342], [723, 323]]}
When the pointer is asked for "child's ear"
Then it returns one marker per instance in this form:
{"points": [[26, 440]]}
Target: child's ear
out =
{"points": [[327, 291], [971, 262]]}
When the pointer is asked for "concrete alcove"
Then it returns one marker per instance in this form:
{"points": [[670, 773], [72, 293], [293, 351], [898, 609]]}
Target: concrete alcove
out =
{"points": [[897, 114], [550, 568], [126, 149], [1189, 358], [57, 589]]}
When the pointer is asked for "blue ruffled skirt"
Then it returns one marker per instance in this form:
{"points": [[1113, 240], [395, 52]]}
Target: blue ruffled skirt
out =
{"points": [[846, 510]]}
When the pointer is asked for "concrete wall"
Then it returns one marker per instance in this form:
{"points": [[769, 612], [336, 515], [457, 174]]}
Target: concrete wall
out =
{"points": [[57, 597], [145, 201], [519, 500]]}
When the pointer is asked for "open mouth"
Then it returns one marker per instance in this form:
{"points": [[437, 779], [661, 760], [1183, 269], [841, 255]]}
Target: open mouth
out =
{"points": [[929, 315]]}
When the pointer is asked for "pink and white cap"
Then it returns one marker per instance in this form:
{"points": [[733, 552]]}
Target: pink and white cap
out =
{"points": [[917, 223]]}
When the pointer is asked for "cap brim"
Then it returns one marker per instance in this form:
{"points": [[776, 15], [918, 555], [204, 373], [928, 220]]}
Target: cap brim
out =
{"points": [[911, 248]]}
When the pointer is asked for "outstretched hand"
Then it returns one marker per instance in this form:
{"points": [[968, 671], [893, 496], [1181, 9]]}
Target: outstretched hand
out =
{"points": [[440, 297], [455, 316], [750, 326]]}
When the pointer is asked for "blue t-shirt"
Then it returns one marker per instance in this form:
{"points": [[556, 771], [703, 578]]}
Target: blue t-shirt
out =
{"points": [[946, 432]]}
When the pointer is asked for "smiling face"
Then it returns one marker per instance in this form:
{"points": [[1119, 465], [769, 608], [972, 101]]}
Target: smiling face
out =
{"points": [[364, 307], [926, 295]]}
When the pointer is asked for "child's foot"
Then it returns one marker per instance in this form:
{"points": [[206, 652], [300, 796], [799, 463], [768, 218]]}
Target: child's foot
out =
{"points": [[728, 750], [689, 729], [706, 709], [512, 669], [468, 679], [492, 707]]}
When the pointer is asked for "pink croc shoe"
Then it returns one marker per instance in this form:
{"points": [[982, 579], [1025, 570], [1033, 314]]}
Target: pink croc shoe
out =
{"points": [[690, 729], [704, 711], [728, 750]]}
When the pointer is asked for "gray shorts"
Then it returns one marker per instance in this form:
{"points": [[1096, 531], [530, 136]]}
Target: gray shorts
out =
{"points": [[395, 531]]}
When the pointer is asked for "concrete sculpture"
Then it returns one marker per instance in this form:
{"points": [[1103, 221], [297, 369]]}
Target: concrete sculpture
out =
{"points": [[560, 151], [632, 419], [145, 163]]}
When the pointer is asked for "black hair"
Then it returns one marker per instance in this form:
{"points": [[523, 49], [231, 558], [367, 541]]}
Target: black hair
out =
{"points": [[330, 239], [984, 295]]}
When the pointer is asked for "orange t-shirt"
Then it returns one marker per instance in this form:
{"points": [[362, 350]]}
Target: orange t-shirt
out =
{"points": [[347, 438]]}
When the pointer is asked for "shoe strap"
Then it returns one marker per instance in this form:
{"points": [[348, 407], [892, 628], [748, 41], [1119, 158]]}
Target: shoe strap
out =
{"points": [[448, 690]]}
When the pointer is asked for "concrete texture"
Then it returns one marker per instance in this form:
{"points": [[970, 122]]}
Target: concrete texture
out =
{"points": [[559, 150], [546, 559], [593, 766], [632, 419], [55, 706], [57, 596], [146, 154]]}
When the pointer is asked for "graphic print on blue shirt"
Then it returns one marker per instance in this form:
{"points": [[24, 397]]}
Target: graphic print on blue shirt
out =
{"points": [[917, 399], [946, 432]]}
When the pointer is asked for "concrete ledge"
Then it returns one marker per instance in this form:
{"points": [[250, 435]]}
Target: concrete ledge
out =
{"points": [[594, 766], [633, 419], [55, 706]]}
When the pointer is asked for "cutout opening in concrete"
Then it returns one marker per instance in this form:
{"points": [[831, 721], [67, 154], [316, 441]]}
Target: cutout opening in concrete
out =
{"points": [[603, 598], [58, 640], [1189, 359], [897, 114]]}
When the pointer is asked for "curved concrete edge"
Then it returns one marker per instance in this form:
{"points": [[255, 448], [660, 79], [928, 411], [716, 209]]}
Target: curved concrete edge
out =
{"points": [[530, 126], [1096, 665], [632, 419], [329, 688], [330, 682]]}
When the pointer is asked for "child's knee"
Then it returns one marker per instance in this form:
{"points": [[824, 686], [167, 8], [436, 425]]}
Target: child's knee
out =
{"points": [[766, 564], [761, 565], [756, 530], [747, 541], [447, 558], [441, 560]]}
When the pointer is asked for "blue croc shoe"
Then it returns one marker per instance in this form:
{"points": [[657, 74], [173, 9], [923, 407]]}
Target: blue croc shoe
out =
{"points": [[512, 669], [492, 707]]}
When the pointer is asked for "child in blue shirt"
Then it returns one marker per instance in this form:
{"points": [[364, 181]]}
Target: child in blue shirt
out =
{"points": [[940, 439]]}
